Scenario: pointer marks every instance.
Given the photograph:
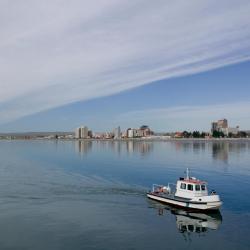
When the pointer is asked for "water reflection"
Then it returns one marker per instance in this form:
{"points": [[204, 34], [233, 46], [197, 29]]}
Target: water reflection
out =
{"points": [[83, 147], [219, 150], [141, 147], [188, 222]]}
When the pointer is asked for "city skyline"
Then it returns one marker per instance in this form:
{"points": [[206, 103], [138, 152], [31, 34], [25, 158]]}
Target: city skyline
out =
{"points": [[106, 64]]}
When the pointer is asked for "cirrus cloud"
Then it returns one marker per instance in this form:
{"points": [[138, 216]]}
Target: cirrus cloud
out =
{"points": [[189, 117], [57, 52]]}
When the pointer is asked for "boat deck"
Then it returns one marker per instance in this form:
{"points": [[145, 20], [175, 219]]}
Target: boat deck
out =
{"points": [[170, 196]]}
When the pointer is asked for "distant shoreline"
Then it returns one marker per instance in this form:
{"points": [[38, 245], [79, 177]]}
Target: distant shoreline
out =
{"points": [[135, 139]]}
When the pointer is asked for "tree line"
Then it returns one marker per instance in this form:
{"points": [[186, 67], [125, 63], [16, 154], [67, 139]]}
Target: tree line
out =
{"points": [[216, 134]]}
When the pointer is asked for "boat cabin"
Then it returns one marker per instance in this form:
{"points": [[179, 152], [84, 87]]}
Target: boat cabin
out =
{"points": [[190, 188]]}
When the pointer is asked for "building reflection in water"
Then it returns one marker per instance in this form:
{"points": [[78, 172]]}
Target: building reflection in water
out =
{"points": [[83, 147], [131, 147], [189, 223], [220, 150], [140, 147], [188, 146]]}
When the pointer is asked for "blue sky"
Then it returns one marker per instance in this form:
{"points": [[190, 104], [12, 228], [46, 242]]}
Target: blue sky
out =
{"points": [[225, 87], [173, 65]]}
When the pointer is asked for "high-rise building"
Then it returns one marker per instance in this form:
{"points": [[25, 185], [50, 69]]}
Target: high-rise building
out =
{"points": [[214, 127], [78, 133], [130, 133], [117, 133], [223, 123], [222, 126], [82, 132]]}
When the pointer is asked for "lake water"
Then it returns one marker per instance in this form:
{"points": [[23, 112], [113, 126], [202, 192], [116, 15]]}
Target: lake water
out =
{"points": [[91, 195]]}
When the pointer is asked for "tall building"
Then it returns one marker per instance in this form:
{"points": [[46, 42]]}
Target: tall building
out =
{"points": [[222, 126], [214, 127], [130, 133], [78, 133], [82, 132], [117, 133], [223, 123]]}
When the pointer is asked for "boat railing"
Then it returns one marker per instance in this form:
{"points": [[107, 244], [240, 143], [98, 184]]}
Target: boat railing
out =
{"points": [[169, 188]]}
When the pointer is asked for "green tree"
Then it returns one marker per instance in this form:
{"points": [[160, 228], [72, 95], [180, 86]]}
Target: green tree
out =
{"points": [[196, 134], [186, 134], [218, 134], [203, 135], [242, 134]]}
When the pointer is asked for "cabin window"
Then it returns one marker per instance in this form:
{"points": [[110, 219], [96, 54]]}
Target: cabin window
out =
{"points": [[190, 187], [197, 187], [183, 186], [203, 187]]}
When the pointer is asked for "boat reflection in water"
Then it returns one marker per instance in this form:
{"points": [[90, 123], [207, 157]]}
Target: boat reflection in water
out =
{"points": [[197, 222], [189, 222]]}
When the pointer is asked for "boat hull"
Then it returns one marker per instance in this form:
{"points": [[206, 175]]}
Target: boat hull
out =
{"points": [[185, 203]]}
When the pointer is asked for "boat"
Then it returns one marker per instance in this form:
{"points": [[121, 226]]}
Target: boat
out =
{"points": [[189, 192]]}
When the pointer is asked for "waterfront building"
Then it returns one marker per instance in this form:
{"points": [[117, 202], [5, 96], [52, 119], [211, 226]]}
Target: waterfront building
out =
{"points": [[130, 133], [222, 123], [178, 135], [222, 126], [214, 127], [82, 132], [146, 131], [90, 134], [117, 133], [233, 131], [78, 133], [143, 131]]}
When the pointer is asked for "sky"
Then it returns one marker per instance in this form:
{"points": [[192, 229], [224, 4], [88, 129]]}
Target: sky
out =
{"points": [[173, 65]]}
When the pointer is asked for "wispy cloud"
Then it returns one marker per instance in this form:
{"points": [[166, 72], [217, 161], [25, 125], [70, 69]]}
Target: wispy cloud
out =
{"points": [[188, 117], [57, 52]]}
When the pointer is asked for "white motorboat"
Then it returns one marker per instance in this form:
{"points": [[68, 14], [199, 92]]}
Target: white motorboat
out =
{"points": [[188, 192]]}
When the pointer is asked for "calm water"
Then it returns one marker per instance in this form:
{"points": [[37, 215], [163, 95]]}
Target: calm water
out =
{"points": [[91, 195]]}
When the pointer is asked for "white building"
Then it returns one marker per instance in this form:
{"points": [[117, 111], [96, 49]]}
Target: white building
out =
{"points": [[130, 133], [84, 132], [133, 133], [78, 133], [81, 132], [233, 131], [117, 133]]}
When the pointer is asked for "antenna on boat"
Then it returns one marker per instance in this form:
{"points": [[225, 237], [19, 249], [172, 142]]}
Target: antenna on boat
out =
{"points": [[187, 172]]}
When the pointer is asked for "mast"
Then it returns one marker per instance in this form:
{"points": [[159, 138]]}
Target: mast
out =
{"points": [[187, 172]]}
